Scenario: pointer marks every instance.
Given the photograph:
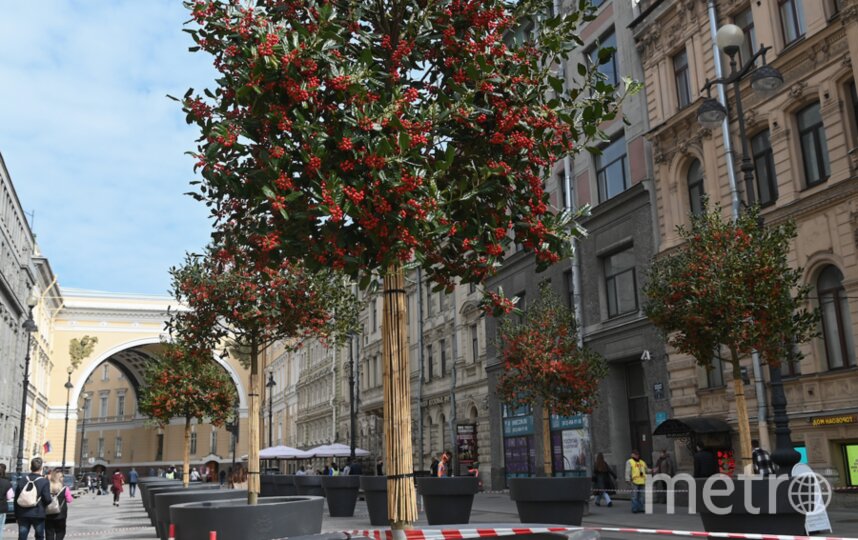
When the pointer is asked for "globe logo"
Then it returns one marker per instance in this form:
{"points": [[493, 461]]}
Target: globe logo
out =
{"points": [[809, 493]]}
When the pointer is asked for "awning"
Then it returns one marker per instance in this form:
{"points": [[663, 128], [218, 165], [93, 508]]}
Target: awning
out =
{"points": [[677, 428]]}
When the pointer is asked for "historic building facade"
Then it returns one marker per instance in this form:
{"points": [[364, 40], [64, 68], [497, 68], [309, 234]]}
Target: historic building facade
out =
{"points": [[804, 146]]}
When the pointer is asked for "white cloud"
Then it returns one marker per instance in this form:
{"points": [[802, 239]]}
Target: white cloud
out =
{"points": [[91, 142]]}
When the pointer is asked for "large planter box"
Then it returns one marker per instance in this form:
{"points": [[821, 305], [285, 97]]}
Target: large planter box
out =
{"points": [[266, 485], [448, 500], [550, 500], [144, 488], [341, 492], [163, 502], [752, 514], [284, 485], [272, 517], [310, 485], [170, 489], [375, 492]]}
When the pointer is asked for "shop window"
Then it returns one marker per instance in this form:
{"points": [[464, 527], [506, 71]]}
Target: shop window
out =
{"points": [[682, 79], [696, 193], [793, 24], [620, 283], [611, 169], [814, 148], [836, 320], [764, 168]]}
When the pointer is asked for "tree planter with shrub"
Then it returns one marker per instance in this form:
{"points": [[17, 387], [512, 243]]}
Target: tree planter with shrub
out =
{"points": [[550, 500], [448, 501], [310, 484], [269, 517], [341, 492], [375, 492], [163, 502]]}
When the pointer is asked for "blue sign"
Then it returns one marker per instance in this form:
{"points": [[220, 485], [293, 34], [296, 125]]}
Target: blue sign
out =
{"points": [[660, 417], [519, 425], [567, 422]]}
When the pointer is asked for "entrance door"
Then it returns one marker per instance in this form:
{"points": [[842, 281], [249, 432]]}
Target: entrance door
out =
{"points": [[639, 424]]}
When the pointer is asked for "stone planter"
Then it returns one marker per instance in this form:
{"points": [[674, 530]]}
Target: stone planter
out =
{"points": [[448, 500], [163, 502], [779, 518], [144, 488], [375, 492], [150, 496], [272, 517], [284, 485], [550, 500], [309, 485], [266, 485], [341, 492]]}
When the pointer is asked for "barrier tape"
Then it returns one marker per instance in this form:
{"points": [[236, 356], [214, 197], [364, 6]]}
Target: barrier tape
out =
{"points": [[467, 534]]}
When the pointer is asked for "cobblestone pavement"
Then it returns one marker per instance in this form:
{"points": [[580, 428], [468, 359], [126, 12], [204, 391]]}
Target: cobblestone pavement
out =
{"points": [[96, 517]]}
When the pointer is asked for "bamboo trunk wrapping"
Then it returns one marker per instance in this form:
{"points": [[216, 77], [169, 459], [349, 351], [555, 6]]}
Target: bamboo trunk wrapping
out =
{"points": [[401, 496], [745, 464]]}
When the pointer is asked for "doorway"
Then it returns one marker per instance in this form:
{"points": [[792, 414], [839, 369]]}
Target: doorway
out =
{"points": [[639, 424]]}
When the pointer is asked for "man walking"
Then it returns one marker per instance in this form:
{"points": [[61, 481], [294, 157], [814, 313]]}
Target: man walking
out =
{"points": [[7, 495], [32, 496], [636, 471], [762, 460], [132, 482], [663, 466]]}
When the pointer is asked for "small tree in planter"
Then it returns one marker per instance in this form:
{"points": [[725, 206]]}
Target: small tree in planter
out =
{"points": [[251, 307], [730, 286], [363, 135], [185, 382]]}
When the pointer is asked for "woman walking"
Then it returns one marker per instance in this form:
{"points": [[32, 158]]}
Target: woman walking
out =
{"points": [[56, 513], [603, 480], [118, 481]]}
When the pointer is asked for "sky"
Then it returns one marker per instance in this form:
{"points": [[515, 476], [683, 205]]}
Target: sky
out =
{"points": [[94, 148]]}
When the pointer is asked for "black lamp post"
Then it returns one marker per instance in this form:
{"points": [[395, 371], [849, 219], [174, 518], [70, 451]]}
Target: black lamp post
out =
{"points": [[83, 428], [353, 417], [29, 327], [765, 79], [270, 384], [233, 428], [69, 386]]}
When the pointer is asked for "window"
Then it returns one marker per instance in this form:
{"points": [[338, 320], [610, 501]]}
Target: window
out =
{"points": [[120, 405], [609, 68], [620, 283], [87, 408], [745, 21], [159, 450], [374, 315], [105, 372], [84, 444], [611, 169], [475, 343], [792, 19], [428, 299], [570, 289], [117, 451], [442, 301], [853, 100], [836, 321], [443, 345], [102, 412], [213, 442], [715, 373], [428, 363], [814, 148], [764, 168], [100, 447], [791, 366], [682, 80], [193, 442], [696, 193]]}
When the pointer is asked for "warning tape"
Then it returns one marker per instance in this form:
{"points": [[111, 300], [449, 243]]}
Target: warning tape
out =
{"points": [[466, 534]]}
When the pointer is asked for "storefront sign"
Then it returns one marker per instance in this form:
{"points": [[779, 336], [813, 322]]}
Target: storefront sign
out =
{"points": [[660, 417], [658, 391], [518, 425], [835, 420], [851, 451], [466, 446], [567, 422]]}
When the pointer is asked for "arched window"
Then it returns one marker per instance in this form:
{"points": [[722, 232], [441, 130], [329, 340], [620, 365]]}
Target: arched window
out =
{"points": [[695, 187], [836, 322]]}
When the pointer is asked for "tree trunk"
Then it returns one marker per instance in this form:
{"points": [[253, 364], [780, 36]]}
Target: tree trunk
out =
{"points": [[546, 441], [402, 500], [253, 426], [186, 454], [741, 415]]}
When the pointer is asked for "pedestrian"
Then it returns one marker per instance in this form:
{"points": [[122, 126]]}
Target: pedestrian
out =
{"points": [[7, 496], [221, 476], [334, 470], [762, 460], [105, 483], [433, 467], [636, 471], [444, 466], [152, 472], [301, 471], [118, 481], [57, 512], [347, 469], [379, 467], [356, 469], [132, 482], [32, 495], [195, 476], [663, 466], [326, 471], [603, 480], [705, 462]]}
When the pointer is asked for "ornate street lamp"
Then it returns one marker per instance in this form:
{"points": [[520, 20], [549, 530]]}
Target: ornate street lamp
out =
{"points": [[68, 386], [233, 428], [83, 411], [765, 80], [29, 326], [270, 384]]}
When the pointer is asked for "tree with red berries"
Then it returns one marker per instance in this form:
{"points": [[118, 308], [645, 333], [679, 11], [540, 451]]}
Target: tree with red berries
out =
{"points": [[361, 136], [730, 289], [185, 382]]}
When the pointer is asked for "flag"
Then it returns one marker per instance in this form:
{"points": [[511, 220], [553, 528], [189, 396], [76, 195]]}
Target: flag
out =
{"points": [[47, 447]]}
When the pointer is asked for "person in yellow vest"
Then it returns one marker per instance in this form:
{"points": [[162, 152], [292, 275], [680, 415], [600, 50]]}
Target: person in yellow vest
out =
{"points": [[636, 471]]}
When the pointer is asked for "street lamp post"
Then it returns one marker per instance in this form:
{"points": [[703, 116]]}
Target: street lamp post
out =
{"points": [[353, 418], [765, 79], [234, 429], [270, 384], [69, 386], [29, 327], [82, 430]]}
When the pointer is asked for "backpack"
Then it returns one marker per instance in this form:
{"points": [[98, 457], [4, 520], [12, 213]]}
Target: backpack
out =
{"points": [[29, 495], [55, 505]]}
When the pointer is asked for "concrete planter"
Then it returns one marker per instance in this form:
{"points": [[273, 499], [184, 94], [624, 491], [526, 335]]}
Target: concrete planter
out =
{"points": [[309, 485], [150, 496], [448, 500], [779, 518], [272, 517], [144, 488], [266, 485], [341, 492], [284, 485], [550, 500], [375, 491], [163, 502]]}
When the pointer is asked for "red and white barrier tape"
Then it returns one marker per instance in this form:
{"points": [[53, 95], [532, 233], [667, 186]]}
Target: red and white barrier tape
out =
{"points": [[467, 534]]}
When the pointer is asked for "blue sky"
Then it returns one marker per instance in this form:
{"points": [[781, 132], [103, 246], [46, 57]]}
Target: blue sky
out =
{"points": [[93, 146]]}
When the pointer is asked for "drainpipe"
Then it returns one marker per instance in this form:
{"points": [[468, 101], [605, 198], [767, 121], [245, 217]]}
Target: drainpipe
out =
{"points": [[453, 418], [762, 412], [420, 366]]}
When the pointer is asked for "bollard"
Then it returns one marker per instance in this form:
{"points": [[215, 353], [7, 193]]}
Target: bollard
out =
{"points": [[212, 535], [171, 535]]}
